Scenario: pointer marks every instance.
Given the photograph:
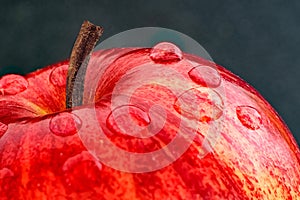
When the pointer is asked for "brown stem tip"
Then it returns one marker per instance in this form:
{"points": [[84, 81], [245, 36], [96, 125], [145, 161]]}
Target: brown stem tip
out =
{"points": [[86, 40]]}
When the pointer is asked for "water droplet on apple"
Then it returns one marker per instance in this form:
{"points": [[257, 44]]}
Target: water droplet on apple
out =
{"points": [[77, 159], [205, 149], [65, 124], [12, 84], [205, 76], [128, 119], [3, 129], [249, 117], [165, 52], [58, 75], [5, 173], [38, 185], [203, 104], [82, 171]]}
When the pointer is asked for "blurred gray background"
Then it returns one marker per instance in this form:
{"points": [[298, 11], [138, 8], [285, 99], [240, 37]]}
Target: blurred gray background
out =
{"points": [[257, 40]]}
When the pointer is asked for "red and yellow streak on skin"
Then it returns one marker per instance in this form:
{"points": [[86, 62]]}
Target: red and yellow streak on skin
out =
{"points": [[244, 164]]}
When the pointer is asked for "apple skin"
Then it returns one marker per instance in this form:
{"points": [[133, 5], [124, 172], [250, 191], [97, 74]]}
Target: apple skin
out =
{"points": [[247, 162]]}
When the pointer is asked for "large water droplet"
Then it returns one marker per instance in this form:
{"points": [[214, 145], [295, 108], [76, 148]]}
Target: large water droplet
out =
{"points": [[249, 117], [82, 171], [65, 124], [129, 120], [205, 76], [77, 159], [58, 75], [5, 173], [12, 84], [165, 52], [202, 104], [3, 129]]}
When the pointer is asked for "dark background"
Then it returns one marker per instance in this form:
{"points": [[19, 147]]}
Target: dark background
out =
{"points": [[257, 40]]}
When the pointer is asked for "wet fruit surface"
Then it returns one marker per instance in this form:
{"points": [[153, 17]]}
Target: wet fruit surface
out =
{"points": [[145, 98]]}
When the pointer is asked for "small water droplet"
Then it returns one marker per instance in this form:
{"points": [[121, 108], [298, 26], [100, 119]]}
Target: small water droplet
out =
{"points": [[165, 52], [3, 129], [12, 84], [205, 149], [58, 75], [249, 117], [203, 104], [205, 76], [5, 173], [128, 119], [65, 124], [38, 145]]}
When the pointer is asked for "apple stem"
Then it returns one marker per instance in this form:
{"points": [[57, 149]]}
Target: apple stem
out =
{"points": [[86, 40]]}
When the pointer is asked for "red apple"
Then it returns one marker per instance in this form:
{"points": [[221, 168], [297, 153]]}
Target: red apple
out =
{"points": [[50, 152]]}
